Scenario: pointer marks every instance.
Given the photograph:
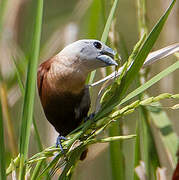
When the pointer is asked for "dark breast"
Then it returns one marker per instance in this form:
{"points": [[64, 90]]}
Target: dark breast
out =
{"points": [[65, 111]]}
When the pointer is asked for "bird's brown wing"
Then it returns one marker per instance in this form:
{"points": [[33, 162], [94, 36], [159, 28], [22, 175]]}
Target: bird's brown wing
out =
{"points": [[176, 171], [81, 110], [42, 70]]}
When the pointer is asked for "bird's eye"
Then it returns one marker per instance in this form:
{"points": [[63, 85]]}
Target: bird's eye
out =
{"points": [[97, 45]]}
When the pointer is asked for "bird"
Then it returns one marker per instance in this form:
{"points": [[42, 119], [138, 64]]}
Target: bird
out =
{"points": [[175, 175], [61, 84]]}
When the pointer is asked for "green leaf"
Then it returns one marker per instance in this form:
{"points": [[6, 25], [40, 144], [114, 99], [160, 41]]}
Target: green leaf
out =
{"points": [[151, 82], [13, 165], [148, 151], [165, 133], [116, 152], [18, 75], [37, 169], [109, 22], [94, 20], [21, 86], [30, 85], [146, 48], [138, 62], [93, 28], [113, 138], [105, 33], [137, 155]]}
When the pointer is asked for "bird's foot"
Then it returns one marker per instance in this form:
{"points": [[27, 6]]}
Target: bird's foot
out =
{"points": [[59, 142], [91, 116]]}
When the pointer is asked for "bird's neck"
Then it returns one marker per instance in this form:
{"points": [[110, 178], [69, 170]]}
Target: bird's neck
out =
{"points": [[65, 78]]}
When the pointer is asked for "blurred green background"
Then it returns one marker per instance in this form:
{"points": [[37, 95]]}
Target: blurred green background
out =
{"points": [[65, 21]]}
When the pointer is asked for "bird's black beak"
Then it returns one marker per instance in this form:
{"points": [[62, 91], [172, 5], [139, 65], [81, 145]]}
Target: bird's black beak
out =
{"points": [[107, 56]]}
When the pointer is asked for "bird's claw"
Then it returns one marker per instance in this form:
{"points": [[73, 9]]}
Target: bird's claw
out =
{"points": [[59, 142]]}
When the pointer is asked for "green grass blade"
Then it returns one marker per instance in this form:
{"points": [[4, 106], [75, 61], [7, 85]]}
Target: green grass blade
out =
{"points": [[117, 162], [165, 132], [93, 28], [37, 170], [151, 82], [148, 151], [141, 11], [138, 62], [21, 86], [105, 33], [137, 156], [37, 135], [116, 154], [115, 148], [146, 48], [31, 83], [109, 22], [2, 149], [18, 75], [144, 134], [94, 20]]}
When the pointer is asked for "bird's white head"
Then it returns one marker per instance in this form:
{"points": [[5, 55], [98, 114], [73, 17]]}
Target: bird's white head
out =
{"points": [[91, 54]]}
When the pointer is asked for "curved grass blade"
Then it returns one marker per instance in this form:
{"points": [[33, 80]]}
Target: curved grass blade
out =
{"points": [[138, 62], [151, 58], [151, 82], [143, 53], [161, 53]]}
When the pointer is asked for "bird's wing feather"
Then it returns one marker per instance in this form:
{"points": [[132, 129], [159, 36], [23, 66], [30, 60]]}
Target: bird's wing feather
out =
{"points": [[42, 70], [82, 109]]}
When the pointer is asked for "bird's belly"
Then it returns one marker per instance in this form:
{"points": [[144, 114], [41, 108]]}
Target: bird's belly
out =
{"points": [[60, 112]]}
